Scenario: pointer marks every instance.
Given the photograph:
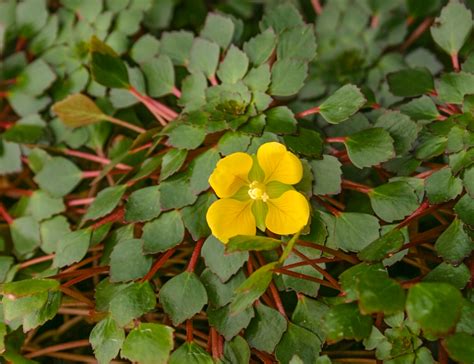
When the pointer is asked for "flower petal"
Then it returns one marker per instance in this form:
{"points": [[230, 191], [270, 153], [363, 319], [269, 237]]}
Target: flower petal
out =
{"points": [[231, 174], [279, 164], [288, 213], [228, 218]]}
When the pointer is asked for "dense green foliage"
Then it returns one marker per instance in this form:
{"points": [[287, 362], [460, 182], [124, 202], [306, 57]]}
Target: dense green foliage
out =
{"points": [[114, 114]]}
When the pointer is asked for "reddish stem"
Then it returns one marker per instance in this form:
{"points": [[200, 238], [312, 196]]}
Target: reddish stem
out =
{"points": [[327, 206], [317, 6], [20, 43], [374, 21], [5, 215], [95, 158], [213, 80], [6, 124], [442, 354], [77, 295], [140, 148], [195, 255], [418, 212], [455, 62], [158, 264], [417, 33], [350, 185], [4, 94], [214, 344], [81, 201], [336, 140], [115, 216], [302, 114], [277, 299], [37, 260], [303, 276], [189, 331], [325, 249], [176, 92]]}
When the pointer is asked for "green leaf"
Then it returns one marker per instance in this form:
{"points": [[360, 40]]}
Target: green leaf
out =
{"points": [[260, 48], [143, 204], [183, 296], [464, 208], [36, 78], [105, 201], [327, 175], [219, 293], [223, 264], [194, 216], [297, 43], [72, 248], [436, 307], [131, 301], [288, 76], [159, 74], [25, 235], [106, 339], [44, 313], [258, 79], [177, 45], [388, 243], [454, 244], [458, 276], [265, 329], [31, 16], [232, 142], [281, 17], [66, 176], [201, 168], [452, 87], [78, 110], [234, 66], [149, 343], [422, 108], [251, 242], [145, 49], [460, 347], [227, 323], [218, 29], [190, 353], [52, 231], [280, 120], [24, 133], [10, 158], [237, 351], [128, 262], [410, 82], [309, 314], [163, 233], [253, 287], [308, 143], [185, 136], [344, 321], [106, 68], [393, 201], [204, 57], [342, 104], [442, 186], [172, 162], [369, 147], [175, 193], [28, 287], [401, 128], [297, 341], [451, 29], [42, 206]]}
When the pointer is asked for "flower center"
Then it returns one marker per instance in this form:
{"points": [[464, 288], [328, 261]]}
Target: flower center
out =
{"points": [[257, 191]]}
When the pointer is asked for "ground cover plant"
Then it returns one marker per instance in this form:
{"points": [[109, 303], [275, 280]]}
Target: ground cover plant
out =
{"points": [[190, 181]]}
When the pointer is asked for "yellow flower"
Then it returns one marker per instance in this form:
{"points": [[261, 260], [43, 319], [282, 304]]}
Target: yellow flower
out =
{"points": [[256, 191]]}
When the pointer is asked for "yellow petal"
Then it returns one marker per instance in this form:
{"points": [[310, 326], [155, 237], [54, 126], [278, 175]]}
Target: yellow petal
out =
{"points": [[288, 213], [231, 174], [228, 218], [279, 164]]}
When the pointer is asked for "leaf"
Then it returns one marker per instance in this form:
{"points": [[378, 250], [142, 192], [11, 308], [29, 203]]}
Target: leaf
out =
{"points": [[458, 276], [265, 329], [190, 353], [218, 29], [72, 248], [344, 321], [369, 147], [309, 314], [106, 68], [25, 235], [224, 265], [460, 347], [281, 17], [442, 186], [260, 47], [163, 233], [297, 43], [175, 193], [422, 108], [343, 103], [464, 208], [219, 293], [52, 231], [234, 66], [183, 296], [388, 243], [454, 244], [436, 307], [288, 76], [145, 49], [131, 301], [24, 133], [232, 142], [35, 79], [66, 176], [204, 57], [194, 216], [251, 242], [327, 175], [149, 343], [280, 120], [10, 158], [253, 287], [128, 262], [298, 342], [237, 351], [159, 74], [106, 339], [308, 143], [31, 16], [185, 136], [105, 201], [42, 206], [78, 110], [410, 82], [172, 162], [177, 45], [28, 287], [452, 87], [401, 128], [347, 234], [201, 168], [393, 201], [143, 204], [451, 29]]}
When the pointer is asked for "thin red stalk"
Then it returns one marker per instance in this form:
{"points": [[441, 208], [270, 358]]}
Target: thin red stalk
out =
{"points": [[5, 215], [77, 295], [220, 346], [325, 249], [195, 255], [277, 299], [90, 174], [455, 62], [176, 92], [336, 140], [6, 124], [417, 33], [37, 260], [310, 261], [160, 111], [59, 347], [302, 114], [374, 21], [350, 185], [95, 158], [79, 279], [442, 354], [11, 81], [327, 206], [189, 331], [4, 94], [79, 272], [215, 350], [303, 276], [213, 80], [81, 201], [419, 211], [158, 264], [125, 124], [115, 216], [445, 110], [317, 6], [20, 43], [16, 192], [140, 148], [426, 174]]}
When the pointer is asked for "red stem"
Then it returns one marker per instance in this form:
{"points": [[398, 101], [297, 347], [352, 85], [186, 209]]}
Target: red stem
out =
{"points": [[158, 264], [189, 331], [95, 158], [374, 21], [6, 124], [81, 201], [317, 6], [355, 186], [417, 33], [213, 80], [336, 140], [302, 114], [195, 255], [455, 62], [115, 216], [5, 215], [419, 211], [327, 206], [176, 92], [277, 299], [20, 43]]}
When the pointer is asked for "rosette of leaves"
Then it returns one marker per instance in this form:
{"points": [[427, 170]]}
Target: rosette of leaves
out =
{"points": [[114, 127]]}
